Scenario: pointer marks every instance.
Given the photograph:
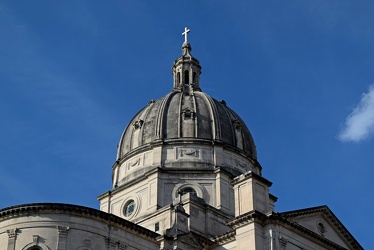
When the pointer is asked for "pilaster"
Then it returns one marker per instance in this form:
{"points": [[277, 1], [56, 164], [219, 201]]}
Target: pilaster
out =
{"points": [[62, 235], [12, 237]]}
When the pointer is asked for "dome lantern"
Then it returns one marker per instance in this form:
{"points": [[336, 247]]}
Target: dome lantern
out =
{"points": [[186, 69]]}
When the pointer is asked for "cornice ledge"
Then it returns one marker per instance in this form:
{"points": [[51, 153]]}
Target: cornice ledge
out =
{"points": [[277, 218], [249, 217], [225, 238], [61, 208]]}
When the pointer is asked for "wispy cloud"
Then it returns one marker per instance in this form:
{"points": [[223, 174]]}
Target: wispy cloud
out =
{"points": [[359, 124]]}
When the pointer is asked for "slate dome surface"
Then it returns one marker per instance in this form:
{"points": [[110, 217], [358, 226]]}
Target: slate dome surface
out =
{"points": [[186, 115]]}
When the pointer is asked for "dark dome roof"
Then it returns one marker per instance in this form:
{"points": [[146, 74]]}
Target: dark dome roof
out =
{"points": [[186, 115], [182, 115]]}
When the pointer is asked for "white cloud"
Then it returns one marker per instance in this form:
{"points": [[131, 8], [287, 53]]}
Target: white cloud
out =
{"points": [[359, 124]]}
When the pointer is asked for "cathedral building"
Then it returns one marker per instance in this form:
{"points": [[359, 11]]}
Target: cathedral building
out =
{"points": [[186, 177]]}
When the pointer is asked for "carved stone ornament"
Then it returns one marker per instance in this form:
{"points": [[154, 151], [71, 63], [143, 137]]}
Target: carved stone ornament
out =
{"points": [[12, 233], [189, 152], [240, 164], [136, 162]]}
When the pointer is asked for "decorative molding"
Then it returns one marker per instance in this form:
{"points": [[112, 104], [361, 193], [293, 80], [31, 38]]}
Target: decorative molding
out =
{"points": [[121, 245], [225, 238], [136, 162], [188, 153], [111, 242], [283, 241], [240, 163], [62, 231], [75, 210]]}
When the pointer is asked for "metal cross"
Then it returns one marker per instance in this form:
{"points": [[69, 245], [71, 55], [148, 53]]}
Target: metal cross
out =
{"points": [[186, 30]]}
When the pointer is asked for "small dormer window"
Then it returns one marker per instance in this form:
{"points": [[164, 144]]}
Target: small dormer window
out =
{"points": [[188, 114], [138, 124]]}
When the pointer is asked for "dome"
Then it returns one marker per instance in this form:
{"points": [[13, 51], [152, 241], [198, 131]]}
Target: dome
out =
{"points": [[186, 129], [186, 117]]}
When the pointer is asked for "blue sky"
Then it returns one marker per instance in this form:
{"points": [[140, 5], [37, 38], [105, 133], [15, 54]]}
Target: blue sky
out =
{"points": [[299, 73]]}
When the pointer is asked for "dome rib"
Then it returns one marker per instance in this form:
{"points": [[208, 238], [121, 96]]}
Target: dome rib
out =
{"points": [[179, 132], [216, 127], [160, 122]]}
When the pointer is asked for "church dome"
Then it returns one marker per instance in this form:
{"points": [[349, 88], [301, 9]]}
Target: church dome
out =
{"points": [[186, 115], [185, 130]]}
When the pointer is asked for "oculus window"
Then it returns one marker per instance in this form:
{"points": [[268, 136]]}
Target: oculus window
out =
{"points": [[129, 208]]}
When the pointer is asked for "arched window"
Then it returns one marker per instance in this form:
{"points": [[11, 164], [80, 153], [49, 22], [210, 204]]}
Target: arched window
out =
{"points": [[186, 77], [188, 190], [179, 78], [35, 248]]}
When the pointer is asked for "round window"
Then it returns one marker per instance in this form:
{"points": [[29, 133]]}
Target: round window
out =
{"points": [[129, 208], [321, 228]]}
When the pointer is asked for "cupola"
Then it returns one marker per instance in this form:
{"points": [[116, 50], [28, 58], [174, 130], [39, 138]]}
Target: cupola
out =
{"points": [[186, 69]]}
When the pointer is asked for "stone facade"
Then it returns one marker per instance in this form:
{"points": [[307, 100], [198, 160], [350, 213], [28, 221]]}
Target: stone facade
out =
{"points": [[186, 177]]}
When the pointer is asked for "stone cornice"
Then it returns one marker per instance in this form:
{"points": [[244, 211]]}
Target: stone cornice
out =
{"points": [[225, 238], [185, 141], [331, 217], [277, 218], [283, 219], [81, 211], [247, 218], [253, 175]]}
